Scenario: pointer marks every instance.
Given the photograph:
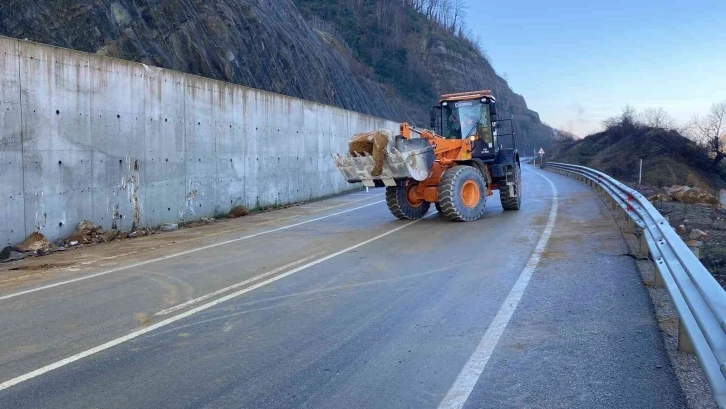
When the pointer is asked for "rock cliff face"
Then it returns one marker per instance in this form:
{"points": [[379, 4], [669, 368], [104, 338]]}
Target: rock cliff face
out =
{"points": [[459, 72], [302, 48], [258, 43]]}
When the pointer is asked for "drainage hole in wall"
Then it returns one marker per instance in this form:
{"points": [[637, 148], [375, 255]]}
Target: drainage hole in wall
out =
{"points": [[60, 224], [168, 208], [57, 112], [167, 159], [166, 120], [60, 163], [118, 116]]}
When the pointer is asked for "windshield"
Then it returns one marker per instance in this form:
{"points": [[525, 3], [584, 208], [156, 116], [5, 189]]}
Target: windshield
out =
{"points": [[462, 117]]}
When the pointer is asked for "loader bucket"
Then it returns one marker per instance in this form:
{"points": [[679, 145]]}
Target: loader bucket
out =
{"points": [[407, 159]]}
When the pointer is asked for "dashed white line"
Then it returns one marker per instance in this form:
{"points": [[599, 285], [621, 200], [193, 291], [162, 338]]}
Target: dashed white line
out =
{"points": [[137, 333], [181, 253], [459, 392]]}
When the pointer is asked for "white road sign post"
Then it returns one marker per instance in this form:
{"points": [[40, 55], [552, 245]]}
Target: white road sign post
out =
{"points": [[541, 156]]}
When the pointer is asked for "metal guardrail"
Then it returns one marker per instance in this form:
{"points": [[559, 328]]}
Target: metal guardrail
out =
{"points": [[698, 298]]}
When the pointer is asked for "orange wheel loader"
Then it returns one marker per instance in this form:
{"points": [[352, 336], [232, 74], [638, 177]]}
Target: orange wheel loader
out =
{"points": [[456, 169]]}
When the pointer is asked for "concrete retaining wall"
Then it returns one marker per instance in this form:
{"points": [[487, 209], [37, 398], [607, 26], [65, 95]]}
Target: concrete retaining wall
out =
{"points": [[119, 143]]}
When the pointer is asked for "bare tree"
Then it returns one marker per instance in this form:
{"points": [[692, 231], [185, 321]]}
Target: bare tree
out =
{"points": [[628, 118], [459, 15], [709, 130], [563, 136], [657, 118]]}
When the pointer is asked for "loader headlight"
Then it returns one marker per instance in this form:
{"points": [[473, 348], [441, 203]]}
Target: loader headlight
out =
{"points": [[472, 138]]}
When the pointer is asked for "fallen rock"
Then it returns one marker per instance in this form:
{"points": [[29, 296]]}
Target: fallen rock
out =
{"points": [[109, 235], [207, 220], [80, 239], [169, 227], [692, 195], [86, 228], [697, 234], [18, 255], [694, 243], [34, 242], [660, 198], [122, 236], [237, 211], [698, 195], [676, 191], [681, 229], [7, 251]]}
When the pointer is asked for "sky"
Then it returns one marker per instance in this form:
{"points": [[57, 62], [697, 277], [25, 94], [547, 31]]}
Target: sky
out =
{"points": [[580, 62]]}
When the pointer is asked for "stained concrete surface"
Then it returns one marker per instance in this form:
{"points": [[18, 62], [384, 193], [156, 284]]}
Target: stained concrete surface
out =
{"points": [[122, 144]]}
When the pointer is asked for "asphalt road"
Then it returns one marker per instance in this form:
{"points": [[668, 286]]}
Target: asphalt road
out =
{"points": [[336, 304]]}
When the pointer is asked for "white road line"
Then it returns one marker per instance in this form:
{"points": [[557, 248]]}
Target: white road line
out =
{"points": [[132, 335], [469, 375], [233, 286], [181, 253]]}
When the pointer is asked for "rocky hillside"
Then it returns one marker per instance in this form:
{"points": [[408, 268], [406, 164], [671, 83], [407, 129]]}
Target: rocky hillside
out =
{"points": [[378, 57]]}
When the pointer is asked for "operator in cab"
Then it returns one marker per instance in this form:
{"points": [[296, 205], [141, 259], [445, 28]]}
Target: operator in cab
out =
{"points": [[454, 126]]}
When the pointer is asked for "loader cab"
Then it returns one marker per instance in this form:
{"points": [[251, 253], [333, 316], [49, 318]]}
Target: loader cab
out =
{"points": [[474, 119]]}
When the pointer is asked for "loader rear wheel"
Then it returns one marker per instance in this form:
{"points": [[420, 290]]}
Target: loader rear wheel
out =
{"points": [[508, 201], [438, 207], [462, 194], [402, 205]]}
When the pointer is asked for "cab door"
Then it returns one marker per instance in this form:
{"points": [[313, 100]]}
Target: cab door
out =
{"points": [[485, 147]]}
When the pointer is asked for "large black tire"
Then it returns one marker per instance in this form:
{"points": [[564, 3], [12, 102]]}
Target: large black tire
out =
{"points": [[512, 202], [401, 207], [462, 194], [438, 207]]}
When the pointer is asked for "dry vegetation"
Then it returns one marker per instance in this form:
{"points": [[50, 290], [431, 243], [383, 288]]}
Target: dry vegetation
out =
{"points": [[690, 155]]}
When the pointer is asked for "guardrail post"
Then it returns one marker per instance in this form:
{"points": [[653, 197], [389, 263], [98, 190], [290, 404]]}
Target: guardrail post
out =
{"points": [[631, 224], [684, 342], [658, 279], [644, 250]]}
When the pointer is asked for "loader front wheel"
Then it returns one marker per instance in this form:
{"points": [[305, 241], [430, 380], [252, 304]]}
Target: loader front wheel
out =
{"points": [[462, 194], [508, 201], [401, 204]]}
